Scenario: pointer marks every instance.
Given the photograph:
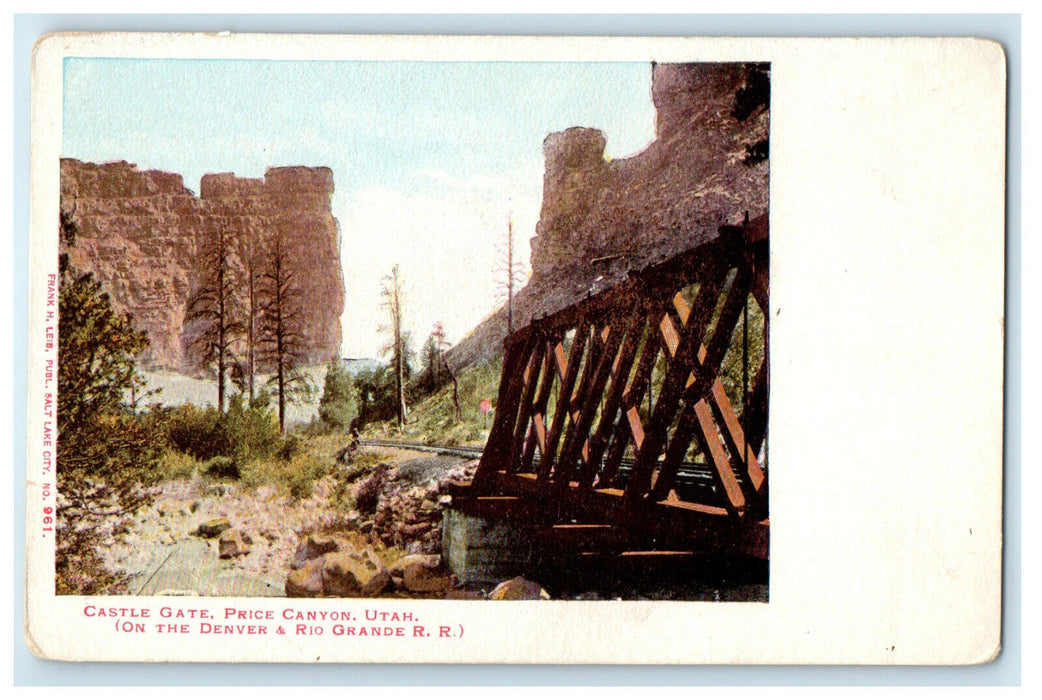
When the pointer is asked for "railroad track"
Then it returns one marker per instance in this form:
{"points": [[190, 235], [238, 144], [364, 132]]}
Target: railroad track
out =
{"points": [[692, 476], [454, 451]]}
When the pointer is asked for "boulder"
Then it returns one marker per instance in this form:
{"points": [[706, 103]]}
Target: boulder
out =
{"points": [[415, 530], [421, 573], [212, 528], [354, 574], [312, 547], [305, 582], [518, 588], [233, 543]]}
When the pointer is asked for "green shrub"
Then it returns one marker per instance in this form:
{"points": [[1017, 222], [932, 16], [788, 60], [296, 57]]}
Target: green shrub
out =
{"points": [[291, 446], [253, 433], [175, 464], [338, 406], [244, 433], [221, 467], [199, 432], [300, 478]]}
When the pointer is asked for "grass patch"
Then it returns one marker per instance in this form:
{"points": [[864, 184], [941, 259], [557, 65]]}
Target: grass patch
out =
{"points": [[175, 465], [432, 419], [295, 477]]}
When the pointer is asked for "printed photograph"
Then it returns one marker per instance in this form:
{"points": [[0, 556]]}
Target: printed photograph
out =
{"points": [[413, 329]]}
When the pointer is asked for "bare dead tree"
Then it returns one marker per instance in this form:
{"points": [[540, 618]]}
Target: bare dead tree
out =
{"points": [[510, 273], [282, 343], [391, 292], [214, 312], [455, 390]]}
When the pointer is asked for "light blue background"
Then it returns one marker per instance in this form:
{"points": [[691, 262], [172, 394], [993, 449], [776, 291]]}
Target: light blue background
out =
{"points": [[28, 670]]}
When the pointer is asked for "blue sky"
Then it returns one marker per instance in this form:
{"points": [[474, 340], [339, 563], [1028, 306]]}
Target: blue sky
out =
{"points": [[428, 159]]}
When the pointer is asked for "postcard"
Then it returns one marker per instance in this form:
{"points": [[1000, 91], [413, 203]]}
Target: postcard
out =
{"points": [[516, 349]]}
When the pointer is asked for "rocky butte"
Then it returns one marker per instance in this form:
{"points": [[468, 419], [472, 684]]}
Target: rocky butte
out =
{"points": [[602, 218], [141, 233]]}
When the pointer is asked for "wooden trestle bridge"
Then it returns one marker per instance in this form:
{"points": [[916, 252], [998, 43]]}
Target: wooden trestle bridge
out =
{"points": [[594, 449]]}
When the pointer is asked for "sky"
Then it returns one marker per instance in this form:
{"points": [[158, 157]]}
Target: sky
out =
{"points": [[430, 160]]}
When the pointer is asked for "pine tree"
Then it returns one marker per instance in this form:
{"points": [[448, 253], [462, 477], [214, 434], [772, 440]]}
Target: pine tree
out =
{"points": [[214, 311], [282, 342], [105, 449]]}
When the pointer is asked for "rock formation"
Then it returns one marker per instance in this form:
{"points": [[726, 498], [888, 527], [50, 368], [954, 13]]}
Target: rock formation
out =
{"points": [[140, 232], [600, 219]]}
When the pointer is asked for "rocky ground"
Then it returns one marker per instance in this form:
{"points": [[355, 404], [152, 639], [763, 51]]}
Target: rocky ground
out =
{"points": [[219, 538], [377, 533]]}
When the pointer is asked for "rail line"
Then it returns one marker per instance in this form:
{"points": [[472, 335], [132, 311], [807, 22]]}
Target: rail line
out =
{"points": [[692, 476]]}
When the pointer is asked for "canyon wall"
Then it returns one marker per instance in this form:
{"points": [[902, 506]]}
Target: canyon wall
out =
{"points": [[602, 218], [142, 234]]}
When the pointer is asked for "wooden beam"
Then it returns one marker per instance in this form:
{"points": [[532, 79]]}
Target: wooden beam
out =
{"points": [[613, 398], [508, 507], [736, 442], [705, 431], [673, 386], [563, 399], [592, 393], [497, 448], [524, 412]]}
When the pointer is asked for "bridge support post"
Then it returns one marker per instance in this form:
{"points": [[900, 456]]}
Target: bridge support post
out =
{"points": [[484, 551]]}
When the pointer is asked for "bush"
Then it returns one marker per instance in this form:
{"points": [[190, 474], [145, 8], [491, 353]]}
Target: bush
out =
{"points": [[291, 447], [199, 432], [253, 433], [338, 407], [221, 467], [175, 464], [242, 433], [300, 479]]}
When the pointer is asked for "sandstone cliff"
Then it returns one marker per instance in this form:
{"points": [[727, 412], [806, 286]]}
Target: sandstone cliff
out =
{"points": [[141, 233], [601, 219]]}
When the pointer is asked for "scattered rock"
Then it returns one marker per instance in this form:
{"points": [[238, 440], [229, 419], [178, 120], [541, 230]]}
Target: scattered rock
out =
{"points": [[305, 582], [518, 588], [353, 574], [232, 544], [415, 531], [212, 528], [170, 507], [313, 546]]}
